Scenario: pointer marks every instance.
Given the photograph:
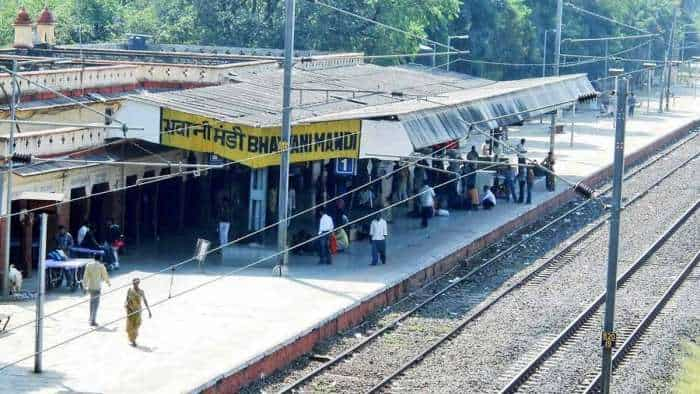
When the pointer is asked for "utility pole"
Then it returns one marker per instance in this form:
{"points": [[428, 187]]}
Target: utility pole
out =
{"points": [[8, 190], [41, 290], [609, 337], [664, 73], [606, 62], [670, 57], [283, 204], [557, 49], [544, 54]]}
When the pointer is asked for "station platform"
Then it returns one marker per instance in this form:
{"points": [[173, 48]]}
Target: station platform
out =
{"points": [[216, 332]]}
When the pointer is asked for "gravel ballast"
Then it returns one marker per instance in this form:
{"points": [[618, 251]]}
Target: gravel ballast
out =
{"points": [[528, 316]]}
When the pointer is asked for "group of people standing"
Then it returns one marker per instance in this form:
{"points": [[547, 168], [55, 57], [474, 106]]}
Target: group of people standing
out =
{"points": [[328, 235]]}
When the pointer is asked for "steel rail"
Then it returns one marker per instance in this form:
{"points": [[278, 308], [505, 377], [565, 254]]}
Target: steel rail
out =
{"points": [[593, 307], [642, 327], [393, 324]]}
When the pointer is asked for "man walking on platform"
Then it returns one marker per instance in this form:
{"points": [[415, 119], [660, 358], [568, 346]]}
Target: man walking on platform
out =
{"points": [[325, 228], [95, 273], [134, 296], [522, 178], [378, 232], [427, 204], [530, 179]]}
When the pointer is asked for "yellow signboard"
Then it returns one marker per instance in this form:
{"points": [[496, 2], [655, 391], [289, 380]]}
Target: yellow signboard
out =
{"points": [[259, 147]]}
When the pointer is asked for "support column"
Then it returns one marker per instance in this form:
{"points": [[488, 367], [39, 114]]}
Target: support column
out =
{"points": [[155, 211], [552, 131], [182, 194], [137, 213], [63, 215], [26, 242]]}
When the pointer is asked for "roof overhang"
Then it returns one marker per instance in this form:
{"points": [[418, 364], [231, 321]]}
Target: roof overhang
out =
{"points": [[38, 196]]}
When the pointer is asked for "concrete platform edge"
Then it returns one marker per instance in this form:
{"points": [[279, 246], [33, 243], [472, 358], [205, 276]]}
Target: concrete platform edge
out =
{"points": [[284, 353]]}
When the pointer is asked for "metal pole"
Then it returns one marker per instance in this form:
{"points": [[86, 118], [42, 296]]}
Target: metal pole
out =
{"points": [[41, 290], [606, 63], [449, 49], [544, 54], [435, 55], [608, 336], [552, 131], [557, 49], [8, 191], [651, 73], [286, 135], [573, 124], [670, 57]]}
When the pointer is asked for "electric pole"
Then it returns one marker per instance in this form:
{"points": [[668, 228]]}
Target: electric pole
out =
{"points": [[283, 204], [609, 336], [670, 53], [8, 190], [557, 48]]}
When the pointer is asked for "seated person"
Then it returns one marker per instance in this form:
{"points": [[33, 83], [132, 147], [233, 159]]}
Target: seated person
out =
{"points": [[89, 241], [488, 201], [342, 239]]}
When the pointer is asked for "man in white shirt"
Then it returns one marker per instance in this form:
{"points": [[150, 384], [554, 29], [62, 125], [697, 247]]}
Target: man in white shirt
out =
{"points": [[82, 232], [378, 232], [522, 151], [489, 200], [427, 204], [325, 228]]}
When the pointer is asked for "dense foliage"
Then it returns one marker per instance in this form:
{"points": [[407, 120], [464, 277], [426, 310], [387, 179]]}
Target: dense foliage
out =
{"points": [[500, 30]]}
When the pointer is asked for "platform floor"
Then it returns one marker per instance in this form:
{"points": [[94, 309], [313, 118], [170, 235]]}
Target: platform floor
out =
{"points": [[216, 328]]}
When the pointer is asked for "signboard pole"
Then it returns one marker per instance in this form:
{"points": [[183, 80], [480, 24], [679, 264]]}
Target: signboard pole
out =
{"points": [[286, 136]]}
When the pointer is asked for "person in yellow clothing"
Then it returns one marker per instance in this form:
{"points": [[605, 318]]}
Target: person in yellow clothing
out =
{"points": [[95, 273], [133, 310]]}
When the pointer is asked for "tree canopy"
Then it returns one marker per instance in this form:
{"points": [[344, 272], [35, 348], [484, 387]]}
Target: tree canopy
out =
{"points": [[501, 31]]}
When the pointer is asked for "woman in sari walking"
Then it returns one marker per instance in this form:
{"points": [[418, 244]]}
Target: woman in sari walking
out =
{"points": [[133, 310]]}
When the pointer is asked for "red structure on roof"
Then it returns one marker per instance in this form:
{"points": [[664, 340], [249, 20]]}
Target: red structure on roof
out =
{"points": [[46, 17], [23, 17]]}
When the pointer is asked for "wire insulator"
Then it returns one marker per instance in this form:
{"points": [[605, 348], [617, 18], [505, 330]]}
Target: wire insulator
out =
{"points": [[584, 190], [22, 158]]}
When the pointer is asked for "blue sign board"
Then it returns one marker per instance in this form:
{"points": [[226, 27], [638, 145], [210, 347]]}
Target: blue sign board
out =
{"points": [[345, 166]]}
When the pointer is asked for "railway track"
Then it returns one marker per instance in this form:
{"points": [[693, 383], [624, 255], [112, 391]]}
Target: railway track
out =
{"points": [[648, 282], [431, 339]]}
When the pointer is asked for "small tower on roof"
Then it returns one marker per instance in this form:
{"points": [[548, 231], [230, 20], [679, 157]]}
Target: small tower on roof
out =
{"points": [[23, 30], [46, 27]]}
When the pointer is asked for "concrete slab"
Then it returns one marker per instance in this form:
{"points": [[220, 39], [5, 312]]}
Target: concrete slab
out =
{"points": [[208, 326]]}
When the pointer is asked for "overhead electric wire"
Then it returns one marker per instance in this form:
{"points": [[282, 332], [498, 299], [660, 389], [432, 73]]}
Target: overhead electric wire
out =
{"points": [[375, 22], [605, 18], [614, 38]]}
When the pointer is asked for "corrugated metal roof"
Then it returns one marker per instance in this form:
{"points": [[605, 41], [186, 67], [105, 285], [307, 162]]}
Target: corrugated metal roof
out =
{"points": [[254, 99], [123, 150]]}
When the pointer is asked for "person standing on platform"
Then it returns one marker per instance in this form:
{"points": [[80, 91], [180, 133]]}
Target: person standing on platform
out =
{"points": [[510, 183], [427, 204], [378, 232], [632, 103], [521, 151], [224, 216], [530, 181], [95, 273], [64, 240], [134, 296], [82, 232], [548, 163], [114, 236], [325, 228]]}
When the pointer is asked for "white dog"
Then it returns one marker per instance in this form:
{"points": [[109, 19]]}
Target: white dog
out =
{"points": [[15, 279]]}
